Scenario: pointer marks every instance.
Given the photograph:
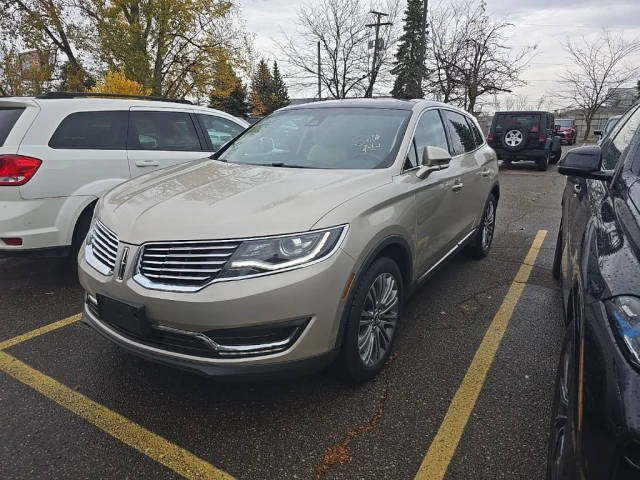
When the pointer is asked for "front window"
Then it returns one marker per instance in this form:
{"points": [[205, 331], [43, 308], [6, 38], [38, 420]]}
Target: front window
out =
{"points": [[332, 138], [564, 123]]}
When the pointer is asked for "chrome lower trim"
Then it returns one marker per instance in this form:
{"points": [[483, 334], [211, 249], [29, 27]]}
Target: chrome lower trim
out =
{"points": [[447, 255], [230, 351]]}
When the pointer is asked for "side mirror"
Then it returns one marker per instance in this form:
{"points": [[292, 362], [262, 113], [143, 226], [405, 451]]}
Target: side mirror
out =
{"points": [[598, 133], [584, 162], [433, 159]]}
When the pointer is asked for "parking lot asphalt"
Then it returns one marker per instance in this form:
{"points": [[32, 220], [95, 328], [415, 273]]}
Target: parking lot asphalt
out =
{"points": [[310, 427]]}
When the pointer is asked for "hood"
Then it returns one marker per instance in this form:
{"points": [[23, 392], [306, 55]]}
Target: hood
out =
{"points": [[216, 200]]}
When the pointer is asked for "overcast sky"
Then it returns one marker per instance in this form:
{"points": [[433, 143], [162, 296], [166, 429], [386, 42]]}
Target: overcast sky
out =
{"points": [[543, 22]]}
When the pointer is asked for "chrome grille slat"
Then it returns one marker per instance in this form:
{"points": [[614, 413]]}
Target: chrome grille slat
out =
{"points": [[181, 249], [104, 246], [187, 263], [190, 265], [113, 252], [106, 232], [175, 277], [175, 269], [182, 255]]}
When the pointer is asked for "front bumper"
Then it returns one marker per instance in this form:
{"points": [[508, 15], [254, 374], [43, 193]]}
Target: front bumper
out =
{"points": [[610, 434], [314, 293]]}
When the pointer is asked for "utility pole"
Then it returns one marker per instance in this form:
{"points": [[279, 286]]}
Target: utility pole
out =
{"points": [[319, 70], [375, 67], [423, 50]]}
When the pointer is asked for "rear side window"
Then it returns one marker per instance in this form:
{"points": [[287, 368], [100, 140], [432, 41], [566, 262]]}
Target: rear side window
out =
{"points": [[92, 131], [219, 130], [459, 132], [529, 123], [477, 136], [162, 131], [8, 118]]}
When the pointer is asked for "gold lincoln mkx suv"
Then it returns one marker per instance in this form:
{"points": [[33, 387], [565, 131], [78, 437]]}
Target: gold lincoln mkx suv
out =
{"points": [[295, 244]]}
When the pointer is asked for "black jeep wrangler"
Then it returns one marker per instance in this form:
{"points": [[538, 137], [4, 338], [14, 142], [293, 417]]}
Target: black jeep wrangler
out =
{"points": [[525, 136]]}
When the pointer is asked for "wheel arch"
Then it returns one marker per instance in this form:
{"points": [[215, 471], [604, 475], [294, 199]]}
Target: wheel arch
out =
{"points": [[392, 246]]}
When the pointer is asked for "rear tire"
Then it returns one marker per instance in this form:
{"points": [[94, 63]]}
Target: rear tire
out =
{"points": [[543, 164], [481, 244], [372, 322]]}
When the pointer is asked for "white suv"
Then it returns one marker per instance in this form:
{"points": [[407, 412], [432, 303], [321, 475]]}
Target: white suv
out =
{"points": [[60, 152]]}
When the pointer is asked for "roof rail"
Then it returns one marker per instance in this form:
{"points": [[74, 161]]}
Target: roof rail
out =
{"points": [[62, 95]]}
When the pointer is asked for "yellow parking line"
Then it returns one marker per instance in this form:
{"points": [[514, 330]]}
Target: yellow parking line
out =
{"points": [[435, 463], [148, 443], [39, 331]]}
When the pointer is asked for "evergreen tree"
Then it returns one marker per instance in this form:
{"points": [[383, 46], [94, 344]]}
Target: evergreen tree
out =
{"points": [[261, 89], [407, 66], [229, 94], [235, 103], [280, 96]]}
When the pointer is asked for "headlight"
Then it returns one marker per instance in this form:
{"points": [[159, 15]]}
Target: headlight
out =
{"points": [[273, 254], [624, 313]]}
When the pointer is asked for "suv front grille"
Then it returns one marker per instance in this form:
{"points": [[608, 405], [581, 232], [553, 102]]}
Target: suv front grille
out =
{"points": [[185, 265], [103, 244]]}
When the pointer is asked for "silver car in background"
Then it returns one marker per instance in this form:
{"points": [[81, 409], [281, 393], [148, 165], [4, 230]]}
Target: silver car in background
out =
{"points": [[295, 245]]}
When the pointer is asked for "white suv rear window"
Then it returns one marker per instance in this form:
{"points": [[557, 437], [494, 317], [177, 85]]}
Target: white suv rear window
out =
{"points": [[8, 118]]}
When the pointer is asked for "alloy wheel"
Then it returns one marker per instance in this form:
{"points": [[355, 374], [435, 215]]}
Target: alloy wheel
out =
{"points": [[488, 225], [378, 319], [513, 138]]}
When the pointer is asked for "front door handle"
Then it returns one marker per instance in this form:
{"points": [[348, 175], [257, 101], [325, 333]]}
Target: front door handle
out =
{"points": [[457, 186], [147, 163], [577, 188]]}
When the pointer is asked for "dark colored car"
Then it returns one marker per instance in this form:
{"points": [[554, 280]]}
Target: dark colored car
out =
{"points": [[595, 428], [525, 136], [566, 130]]}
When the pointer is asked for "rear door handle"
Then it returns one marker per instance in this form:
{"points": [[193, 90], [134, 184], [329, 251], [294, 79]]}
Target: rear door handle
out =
{"points": [[486, 172], [457, 186], [147, 163]]}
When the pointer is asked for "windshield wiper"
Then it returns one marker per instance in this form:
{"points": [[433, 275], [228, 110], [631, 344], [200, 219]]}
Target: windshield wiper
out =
{"points": [[285, 165]]}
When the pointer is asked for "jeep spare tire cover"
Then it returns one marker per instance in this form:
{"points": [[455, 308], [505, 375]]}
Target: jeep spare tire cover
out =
{"points": [[514, 139]]}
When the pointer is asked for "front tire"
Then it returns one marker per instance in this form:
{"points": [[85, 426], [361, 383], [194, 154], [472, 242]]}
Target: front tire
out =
{"points": [[559, 449], [481, 244], [372, 321]]}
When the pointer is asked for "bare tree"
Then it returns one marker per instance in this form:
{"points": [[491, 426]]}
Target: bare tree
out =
{"points": [[599, 67], [470, 56], [340, 27]]}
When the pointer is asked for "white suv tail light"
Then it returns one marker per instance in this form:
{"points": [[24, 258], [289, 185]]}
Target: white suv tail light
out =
{"points": [[16, 170]]}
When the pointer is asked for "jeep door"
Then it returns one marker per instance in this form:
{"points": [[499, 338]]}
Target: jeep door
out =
{"points": [[161, 137]]}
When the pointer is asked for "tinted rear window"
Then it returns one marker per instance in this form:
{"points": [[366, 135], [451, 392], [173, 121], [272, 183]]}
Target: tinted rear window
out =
{"points": [[92, 131], [527, 122], [8, 118], [460, 134]]}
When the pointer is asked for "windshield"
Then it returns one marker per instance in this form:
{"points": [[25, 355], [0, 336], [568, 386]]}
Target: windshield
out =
{"points": [[610, 124], [564, 123], [340, 138]]}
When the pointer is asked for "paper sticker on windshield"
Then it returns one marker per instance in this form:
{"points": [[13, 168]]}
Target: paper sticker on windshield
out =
{"points": [[368, 143]]}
